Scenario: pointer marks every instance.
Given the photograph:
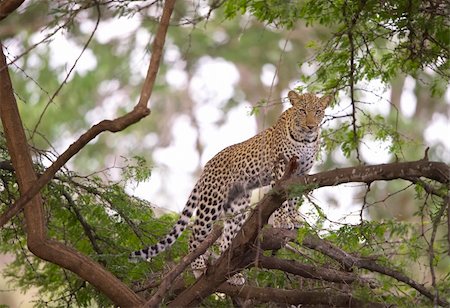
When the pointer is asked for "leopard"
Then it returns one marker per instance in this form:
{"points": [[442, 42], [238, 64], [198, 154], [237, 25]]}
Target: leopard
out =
{"points": [[224, 187]]}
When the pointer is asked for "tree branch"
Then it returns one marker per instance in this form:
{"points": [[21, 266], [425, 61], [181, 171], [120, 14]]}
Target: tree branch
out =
{"points": [[9, 6], [295, 297], [436, 171], [308, 271]]}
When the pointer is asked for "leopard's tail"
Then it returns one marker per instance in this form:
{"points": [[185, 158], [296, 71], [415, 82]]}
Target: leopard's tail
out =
{"points": [[148, 252]]}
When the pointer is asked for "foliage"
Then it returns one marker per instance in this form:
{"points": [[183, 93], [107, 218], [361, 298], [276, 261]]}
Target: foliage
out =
{"points": [[383, 37], [95, 217]]}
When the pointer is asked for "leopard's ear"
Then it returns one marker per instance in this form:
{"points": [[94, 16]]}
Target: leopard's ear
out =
{"points": [[325, 100], [294, 98]]}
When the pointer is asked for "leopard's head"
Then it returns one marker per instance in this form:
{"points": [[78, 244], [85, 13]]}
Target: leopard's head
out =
{"points": [[307, 112]]}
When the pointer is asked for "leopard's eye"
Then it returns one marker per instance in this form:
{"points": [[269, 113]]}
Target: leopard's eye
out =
{"points": [[319, 112], [302, 112]]}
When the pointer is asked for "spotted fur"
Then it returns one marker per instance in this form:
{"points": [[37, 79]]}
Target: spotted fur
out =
{"points": [[229, 177]]}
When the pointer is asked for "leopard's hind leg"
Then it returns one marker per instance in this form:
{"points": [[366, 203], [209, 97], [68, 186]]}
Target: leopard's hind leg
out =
{"points": [[207, 214], [235, 215]]}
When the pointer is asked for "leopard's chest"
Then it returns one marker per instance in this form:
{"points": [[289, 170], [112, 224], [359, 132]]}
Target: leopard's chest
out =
{"points": [[306, 154]]}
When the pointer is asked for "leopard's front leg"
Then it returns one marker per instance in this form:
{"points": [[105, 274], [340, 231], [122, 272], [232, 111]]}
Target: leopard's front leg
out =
{"points": [[287, 216]]}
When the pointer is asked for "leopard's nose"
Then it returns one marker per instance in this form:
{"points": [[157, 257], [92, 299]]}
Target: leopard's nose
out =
{"points": [[311, 127]]}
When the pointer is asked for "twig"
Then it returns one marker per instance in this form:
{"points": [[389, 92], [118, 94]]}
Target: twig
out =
{"points": [[352, 93], [70, 71], [88, 230]]}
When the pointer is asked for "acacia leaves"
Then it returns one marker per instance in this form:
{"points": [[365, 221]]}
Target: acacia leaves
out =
{"points": [[95, 217], [388, 36]]}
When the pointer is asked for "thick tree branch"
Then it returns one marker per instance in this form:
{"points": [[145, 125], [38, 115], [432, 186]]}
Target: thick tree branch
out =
{"points": [[436, 171], [9, 6], [140, 111], [308, 271], [295, 297]]}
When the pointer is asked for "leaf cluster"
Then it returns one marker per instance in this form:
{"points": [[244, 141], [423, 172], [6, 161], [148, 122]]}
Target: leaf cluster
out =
{"points": [[97, 218], [384, 38]]}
